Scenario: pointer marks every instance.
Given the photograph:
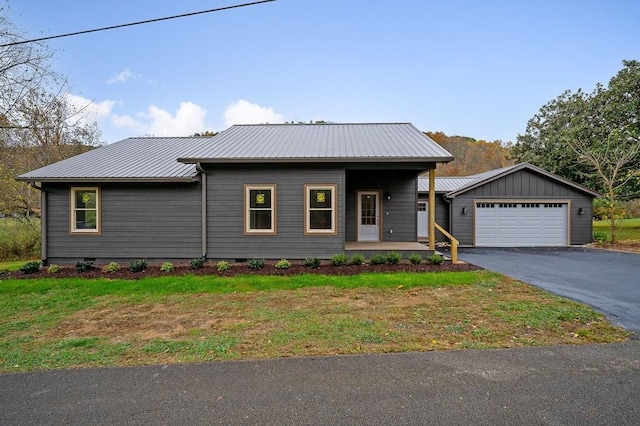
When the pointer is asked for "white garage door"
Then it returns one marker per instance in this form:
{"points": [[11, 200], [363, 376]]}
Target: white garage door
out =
{"points": [[521, 224]]}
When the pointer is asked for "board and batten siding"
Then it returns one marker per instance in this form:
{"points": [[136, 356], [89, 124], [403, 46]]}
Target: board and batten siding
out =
{"points": [[225, 213], [153, 221], [397, 214], [523, 185]]}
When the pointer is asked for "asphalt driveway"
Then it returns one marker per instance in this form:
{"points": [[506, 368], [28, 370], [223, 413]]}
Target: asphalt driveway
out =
{"points": [[606, 280]]}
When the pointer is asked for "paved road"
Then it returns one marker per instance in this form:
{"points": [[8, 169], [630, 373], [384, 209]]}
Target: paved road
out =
{"points": [[607, 280], [591, 384]]}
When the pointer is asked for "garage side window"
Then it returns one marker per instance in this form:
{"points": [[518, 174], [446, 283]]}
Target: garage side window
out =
{"points": [[260, 209], [320, 209], [85, 210]]}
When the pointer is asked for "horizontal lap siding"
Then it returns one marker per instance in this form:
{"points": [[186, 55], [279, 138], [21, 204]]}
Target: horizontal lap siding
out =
{"points": [[523, 185], [225, 193], [398, 214], [151, 221]]}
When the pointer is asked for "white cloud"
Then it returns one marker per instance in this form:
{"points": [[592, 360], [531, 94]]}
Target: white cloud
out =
{"points": [[123, 76], [244, 112], [88, 110], [188, 119]]}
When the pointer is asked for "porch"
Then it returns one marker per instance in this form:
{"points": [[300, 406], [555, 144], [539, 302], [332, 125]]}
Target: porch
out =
{"points": [[403, 247]]}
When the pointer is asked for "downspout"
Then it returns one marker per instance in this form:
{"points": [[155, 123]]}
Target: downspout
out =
{"points": [[203, 198], [43, 222]]}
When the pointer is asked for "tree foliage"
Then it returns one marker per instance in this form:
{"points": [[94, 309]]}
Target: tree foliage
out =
{"points": [[39, 124], [591, 138], [471, 156]]}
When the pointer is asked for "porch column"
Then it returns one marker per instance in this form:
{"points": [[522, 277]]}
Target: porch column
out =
{"points": [[432, 209]]}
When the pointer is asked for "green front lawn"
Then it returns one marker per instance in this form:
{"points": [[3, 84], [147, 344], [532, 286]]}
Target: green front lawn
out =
{"points": [[12, 265], [628, 230], [68, 323]]}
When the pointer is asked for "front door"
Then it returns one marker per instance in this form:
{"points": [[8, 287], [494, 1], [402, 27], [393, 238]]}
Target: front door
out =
{"points": [[368, 216]]}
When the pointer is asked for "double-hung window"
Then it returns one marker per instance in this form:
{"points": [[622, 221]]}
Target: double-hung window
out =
{"points": [[85, 210], [260, 209], [320, 209]]}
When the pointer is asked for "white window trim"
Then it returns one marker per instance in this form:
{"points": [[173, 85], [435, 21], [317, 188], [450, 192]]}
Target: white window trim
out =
{"points": [[247, 209], [73, 210], [307, 209]]}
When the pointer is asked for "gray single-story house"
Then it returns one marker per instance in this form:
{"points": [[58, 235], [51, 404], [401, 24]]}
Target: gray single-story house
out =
{"points": [[516, 206], [252, 191]]}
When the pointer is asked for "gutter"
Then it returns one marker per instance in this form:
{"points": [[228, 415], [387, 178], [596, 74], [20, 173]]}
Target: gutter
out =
{"points": [[295, 160], [203, 199]]}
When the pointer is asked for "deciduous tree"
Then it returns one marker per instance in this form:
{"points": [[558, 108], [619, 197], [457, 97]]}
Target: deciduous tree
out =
{"points": [[592, 138]]}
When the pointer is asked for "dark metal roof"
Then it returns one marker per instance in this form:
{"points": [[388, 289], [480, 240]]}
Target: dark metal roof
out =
{"points": [[460, 185], [387, 142], [141, 159]]}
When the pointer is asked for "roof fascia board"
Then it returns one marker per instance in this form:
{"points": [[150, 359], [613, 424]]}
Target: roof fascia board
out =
{"points": [[109, 180], [316, 160]]}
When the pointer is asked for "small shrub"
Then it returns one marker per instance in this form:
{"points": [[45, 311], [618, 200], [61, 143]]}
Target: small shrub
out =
{"points": [[415, 258], [600, 237], [339, 259], [111, 267], [311, 262], [394, 257], [378, 259], [196, 263], [222, 266], [19, 239], [255, 264], [53, 269], [435, 259], [357, 259], [283, 264], [31, 267], [138, 265], [84, 266], [167, 267]]}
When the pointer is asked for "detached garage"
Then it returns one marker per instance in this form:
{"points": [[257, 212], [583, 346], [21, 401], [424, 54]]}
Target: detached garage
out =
{"points": [[517, 206]]}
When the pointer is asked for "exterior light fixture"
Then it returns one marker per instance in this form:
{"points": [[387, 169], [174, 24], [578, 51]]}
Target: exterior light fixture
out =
{"points": [[580, 211], [464, 210], [387, 195]]}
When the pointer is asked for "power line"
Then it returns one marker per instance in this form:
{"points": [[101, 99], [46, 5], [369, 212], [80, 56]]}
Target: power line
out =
{"points": [[35, 40]]}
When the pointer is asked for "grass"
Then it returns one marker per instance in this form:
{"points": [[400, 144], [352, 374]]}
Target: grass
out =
{"points": [[69, 323], [12, 265], [629, 229]]}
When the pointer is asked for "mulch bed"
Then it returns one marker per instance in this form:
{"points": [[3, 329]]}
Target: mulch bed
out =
{"points": [[153, 270]]}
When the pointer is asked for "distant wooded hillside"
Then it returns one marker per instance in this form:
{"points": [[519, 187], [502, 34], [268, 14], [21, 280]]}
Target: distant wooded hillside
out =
{"points": [[471, 156]]}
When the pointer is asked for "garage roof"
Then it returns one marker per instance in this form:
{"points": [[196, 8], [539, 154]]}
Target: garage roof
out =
{"points": [[453, 186]]}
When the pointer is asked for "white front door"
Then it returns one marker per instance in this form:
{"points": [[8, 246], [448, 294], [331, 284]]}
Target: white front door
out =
{"points": [[368, 216], [423, 219]]}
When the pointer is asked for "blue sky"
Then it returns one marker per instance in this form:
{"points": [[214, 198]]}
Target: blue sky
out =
{"points": [[474, 68]]}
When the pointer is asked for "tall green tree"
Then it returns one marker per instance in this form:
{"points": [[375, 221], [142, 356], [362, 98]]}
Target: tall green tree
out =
{"points": [[592, 138]]}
